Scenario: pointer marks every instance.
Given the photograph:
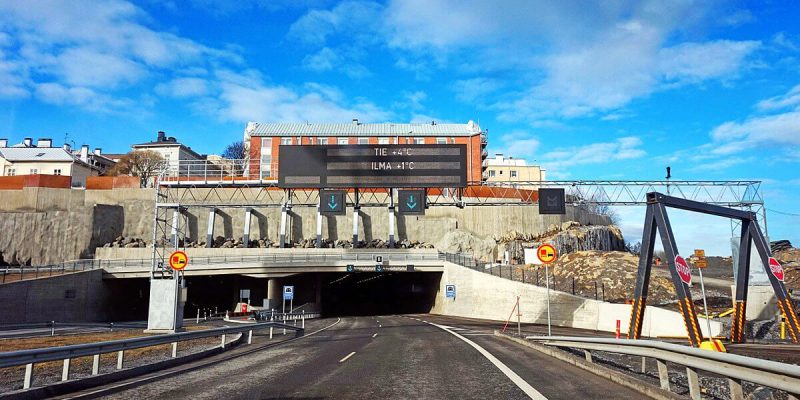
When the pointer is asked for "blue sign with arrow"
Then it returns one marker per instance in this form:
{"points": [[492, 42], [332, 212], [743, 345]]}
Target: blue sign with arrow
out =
{"points": [[411, 202], [332, 202]]}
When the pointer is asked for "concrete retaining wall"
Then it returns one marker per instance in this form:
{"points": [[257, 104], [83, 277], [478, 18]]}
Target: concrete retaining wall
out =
{"points": [[479, 295], [78, 297]]}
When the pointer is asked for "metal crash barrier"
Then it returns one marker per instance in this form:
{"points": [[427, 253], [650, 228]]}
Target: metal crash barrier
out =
{"points": [[30, 357], [735, 367]]}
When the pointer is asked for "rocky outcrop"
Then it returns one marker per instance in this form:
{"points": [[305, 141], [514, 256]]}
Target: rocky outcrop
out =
{"points": [[615, 271], [458, 241], [50, 237]]}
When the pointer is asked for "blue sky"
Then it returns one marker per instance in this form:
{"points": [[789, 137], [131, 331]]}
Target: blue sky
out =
{"points": [[613, 90]]}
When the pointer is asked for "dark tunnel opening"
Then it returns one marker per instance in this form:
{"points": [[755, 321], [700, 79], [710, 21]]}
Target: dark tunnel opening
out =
{"points": [[358, 294]]}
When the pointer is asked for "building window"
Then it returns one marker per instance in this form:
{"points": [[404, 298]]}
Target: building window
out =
{"points": [[363, 140], [34, 171], [343, 140], [266, 157], [286, 141], [57, 171], [383, 140], [322, 140], [513, 174], [419, 140], [501, 172], [10, 172], [441, 140], [491, 173]]}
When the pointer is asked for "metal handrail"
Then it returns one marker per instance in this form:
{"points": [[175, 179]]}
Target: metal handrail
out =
{"points": [[66, 353], [32, 356], [741, 368]]}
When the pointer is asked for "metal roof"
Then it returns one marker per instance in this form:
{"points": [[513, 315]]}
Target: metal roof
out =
{"points": [[361, 129], [16, 154]]}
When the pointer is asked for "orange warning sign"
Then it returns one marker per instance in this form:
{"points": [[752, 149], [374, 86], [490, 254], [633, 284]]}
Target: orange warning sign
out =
{"points": [[546, 253], [178, 260]]}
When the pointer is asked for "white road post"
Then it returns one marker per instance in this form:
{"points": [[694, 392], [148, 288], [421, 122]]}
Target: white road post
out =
{"points": [[705, 305], [547, 282]]}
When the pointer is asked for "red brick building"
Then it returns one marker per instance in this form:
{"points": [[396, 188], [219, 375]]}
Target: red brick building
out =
{"points": [[262, 141]]}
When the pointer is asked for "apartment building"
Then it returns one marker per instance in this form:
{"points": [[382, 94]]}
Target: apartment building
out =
{"points": [[263, 140]]}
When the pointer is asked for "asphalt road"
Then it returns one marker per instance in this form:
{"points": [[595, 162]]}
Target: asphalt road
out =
{"points": [[383, 357]]}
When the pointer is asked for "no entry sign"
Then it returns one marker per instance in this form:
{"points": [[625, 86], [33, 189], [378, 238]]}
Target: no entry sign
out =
{"points": [[683, 269], [776, 268]]}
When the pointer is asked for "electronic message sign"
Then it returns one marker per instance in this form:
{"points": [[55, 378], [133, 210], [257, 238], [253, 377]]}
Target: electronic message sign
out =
{"points": [[372, 166]]}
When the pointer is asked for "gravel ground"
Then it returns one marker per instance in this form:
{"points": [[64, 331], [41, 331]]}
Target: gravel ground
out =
{"points": [[50, 372]]}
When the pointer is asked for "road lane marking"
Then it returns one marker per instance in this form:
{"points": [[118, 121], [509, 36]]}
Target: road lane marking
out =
{"points": [[374, 334], [521, 384], [347, 356], [176, 370], [380, 326]]}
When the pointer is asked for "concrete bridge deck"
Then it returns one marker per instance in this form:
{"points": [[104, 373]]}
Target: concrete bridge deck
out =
{"points": [[271, 263]]}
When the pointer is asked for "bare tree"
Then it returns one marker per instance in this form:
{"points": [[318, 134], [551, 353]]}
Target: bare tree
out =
{"points": [[144, 163], [236, 153]]}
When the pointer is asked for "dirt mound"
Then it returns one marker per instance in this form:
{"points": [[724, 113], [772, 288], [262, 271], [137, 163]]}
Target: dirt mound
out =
{"points": [[790, 260], [614, 271]]}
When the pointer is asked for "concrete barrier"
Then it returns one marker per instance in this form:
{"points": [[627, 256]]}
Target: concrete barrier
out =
{"points": [[480, 295]]}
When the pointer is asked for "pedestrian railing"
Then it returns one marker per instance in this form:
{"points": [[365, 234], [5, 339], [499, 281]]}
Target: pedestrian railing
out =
{"points": [[14, 273], [735, 368], [66, 353], [534, 275]]}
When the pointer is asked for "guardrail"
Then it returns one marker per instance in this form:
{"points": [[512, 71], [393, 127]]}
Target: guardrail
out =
{"points": [[66, 353], [735, 367], [32, 272]]}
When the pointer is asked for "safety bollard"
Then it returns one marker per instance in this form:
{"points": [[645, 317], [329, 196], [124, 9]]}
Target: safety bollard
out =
{"points": [[270, 332], [198, 317], [52, 328], [617, 333]]}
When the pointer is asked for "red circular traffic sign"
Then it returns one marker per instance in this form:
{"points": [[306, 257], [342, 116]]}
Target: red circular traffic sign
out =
{"points": [[776, 268], [178, 260], [684, 271], [546, 253]]}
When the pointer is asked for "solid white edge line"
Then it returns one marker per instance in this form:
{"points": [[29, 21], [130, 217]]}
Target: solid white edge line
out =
{"points": [[347, 356], [524, 386]]}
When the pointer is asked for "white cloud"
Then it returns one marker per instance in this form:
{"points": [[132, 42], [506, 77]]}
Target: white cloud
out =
{"points": [[517, 144], [772, 130], [92, 50], [475, 89], [624, 148], [357, 19], [790, 99], [184, 87], [246, 97]]}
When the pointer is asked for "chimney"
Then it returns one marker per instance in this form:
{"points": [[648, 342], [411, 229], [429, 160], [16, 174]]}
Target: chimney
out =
{"points": [[355, 121], [3, 142], [44, 142], [67, 147], [85, 153], [28, 142], [98, 151], [162, 136]]}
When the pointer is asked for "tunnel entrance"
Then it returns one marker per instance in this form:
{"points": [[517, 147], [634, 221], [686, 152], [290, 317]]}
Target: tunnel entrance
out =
{"points": [[357, 294]]}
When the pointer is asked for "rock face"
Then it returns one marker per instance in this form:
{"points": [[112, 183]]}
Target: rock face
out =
{"points": [[459, 241], [50, 237], [567, 238], [789, 257]]}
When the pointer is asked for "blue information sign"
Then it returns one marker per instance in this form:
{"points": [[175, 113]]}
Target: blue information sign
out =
{"points": [[288, 292], [450, 291]]}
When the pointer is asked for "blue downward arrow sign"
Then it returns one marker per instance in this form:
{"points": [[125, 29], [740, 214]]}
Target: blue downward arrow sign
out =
{"points": [[411, 203], [332, 203]]}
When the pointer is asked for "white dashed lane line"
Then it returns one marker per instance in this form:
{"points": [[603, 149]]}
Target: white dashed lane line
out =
{"points": [[347, 356], [374, 334]]}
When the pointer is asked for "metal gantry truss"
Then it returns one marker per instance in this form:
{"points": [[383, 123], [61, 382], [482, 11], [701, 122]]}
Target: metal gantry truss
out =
{"points": [[579, 192]]}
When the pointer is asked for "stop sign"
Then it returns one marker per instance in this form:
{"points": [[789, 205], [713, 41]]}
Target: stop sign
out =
{"points": [[683, 269], [776, 268]]}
